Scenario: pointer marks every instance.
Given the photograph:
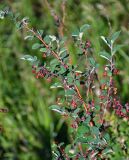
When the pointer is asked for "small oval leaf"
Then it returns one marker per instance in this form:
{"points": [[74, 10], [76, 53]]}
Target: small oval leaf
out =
{"points": [[35, 46]]}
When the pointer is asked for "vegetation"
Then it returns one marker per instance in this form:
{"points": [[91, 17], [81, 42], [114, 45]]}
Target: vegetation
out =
{"points": [[30, 129]]}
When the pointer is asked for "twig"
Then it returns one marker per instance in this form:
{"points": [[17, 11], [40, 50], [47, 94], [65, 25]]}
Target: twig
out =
{"points": [[47, 46]]}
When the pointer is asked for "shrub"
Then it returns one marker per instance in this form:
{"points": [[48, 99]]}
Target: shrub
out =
{"points": [[86, 97]]}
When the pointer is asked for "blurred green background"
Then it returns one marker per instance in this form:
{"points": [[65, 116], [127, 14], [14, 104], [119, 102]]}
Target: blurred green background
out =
{"points": [[29, 126]]}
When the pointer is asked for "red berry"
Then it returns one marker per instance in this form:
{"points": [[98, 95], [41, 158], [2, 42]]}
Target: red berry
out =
{"points": [[105, 74]]}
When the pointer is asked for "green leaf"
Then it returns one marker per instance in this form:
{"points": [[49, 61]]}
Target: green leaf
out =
{"points": [[92, 61], [115, 36], [85, 139], [15, 17], [36, 46], [2, 14], [29, 37], [81, 158], [75, 113], [97, 140], [106, 136], [70, 151], [35, 63], [25, 19], [62, 41], [29, 58], [105, 55], [96, 120], [79, 71], [43, 49], [86, 122], [82, 130], [40, 32], [56, 85], [53, 64], [109, 73], [62, 70], [84, 27], [117, 48], [75, 33], [95, 130], [19, 25], [47, 39], [97, 108], [69, 92], [53, 38], [70, 80], [106, 151], [61, 144], [64, 56], [107, 41], [62, 50], [58, 109], [77, 82]]}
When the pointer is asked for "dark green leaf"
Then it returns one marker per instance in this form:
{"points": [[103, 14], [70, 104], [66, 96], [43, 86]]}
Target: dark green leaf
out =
{"points": [[106, 40], [57, 108], [36, 46]]}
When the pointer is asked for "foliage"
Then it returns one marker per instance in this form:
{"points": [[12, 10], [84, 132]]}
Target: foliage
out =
{"points": [[84, 104], [61, 70]]}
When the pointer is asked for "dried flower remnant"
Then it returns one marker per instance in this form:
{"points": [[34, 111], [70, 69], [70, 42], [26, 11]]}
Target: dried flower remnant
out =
{"points": [[4, 110]]}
